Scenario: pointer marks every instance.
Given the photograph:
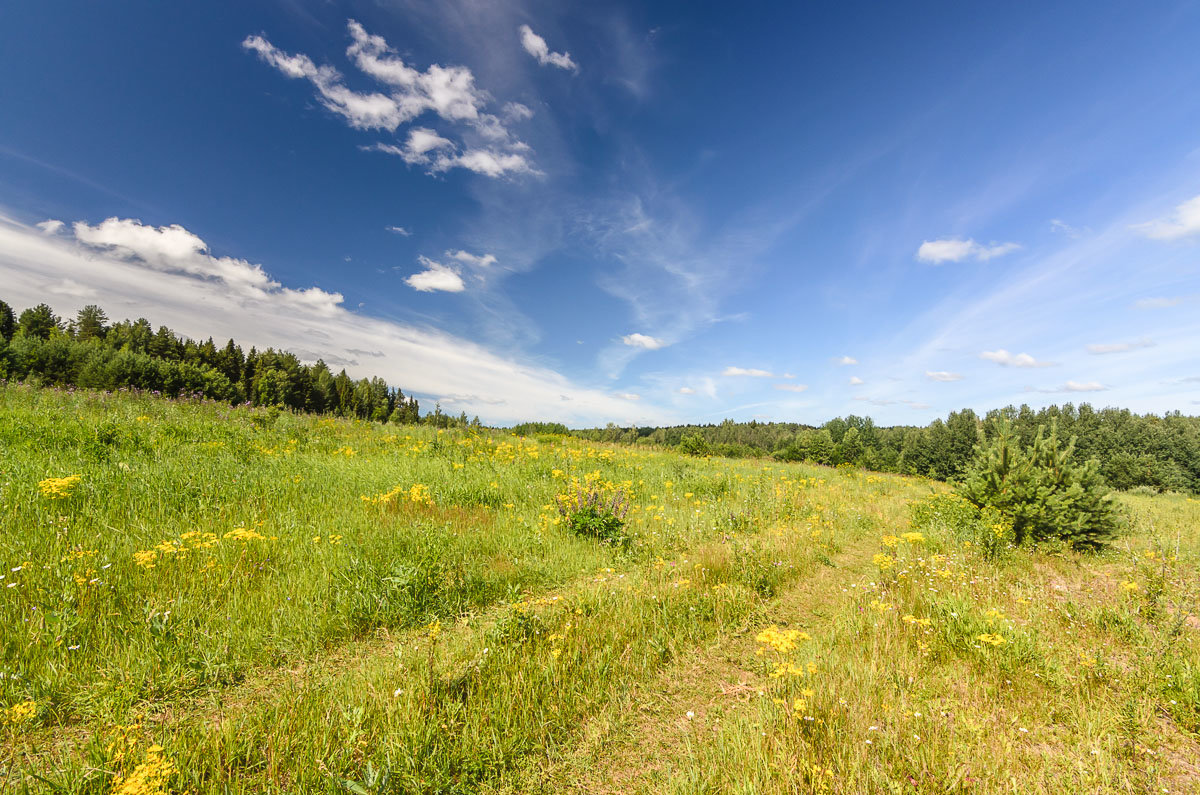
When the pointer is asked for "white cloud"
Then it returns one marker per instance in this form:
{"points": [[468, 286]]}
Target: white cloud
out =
{"points": [[1059, 225], [69, 287], [515, 111], [686, 390], [856, 381], [1120, 347], [447, 91], [845, 360], [629, 396], [422, 361], [791, 387], [173, 249], [488, 162], [643, 341], [435, 277], [1157, 303], [957, 250], [732, 371], [536, 46], [1086, 386], [1182, 222], [1006, 359], [942, 375], [50, 226], [399, 230], [468, 258]]}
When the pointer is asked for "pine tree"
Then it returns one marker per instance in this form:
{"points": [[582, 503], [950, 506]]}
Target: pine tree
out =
{"points": [[8, 322], [1046, 493], [91, 323]]}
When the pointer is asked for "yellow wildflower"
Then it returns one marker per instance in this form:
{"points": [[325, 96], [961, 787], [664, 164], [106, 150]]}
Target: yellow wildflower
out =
{"points": [[58, 488], [148, 778], [991, 638], [19, 713]]}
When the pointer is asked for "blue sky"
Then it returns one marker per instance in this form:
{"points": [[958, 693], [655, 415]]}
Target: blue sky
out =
{"points": [[649, 213]]}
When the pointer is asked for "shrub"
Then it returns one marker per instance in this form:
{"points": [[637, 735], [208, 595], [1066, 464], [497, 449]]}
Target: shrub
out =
{"points": [[590, 513], [1044, 492], [693, 444]]}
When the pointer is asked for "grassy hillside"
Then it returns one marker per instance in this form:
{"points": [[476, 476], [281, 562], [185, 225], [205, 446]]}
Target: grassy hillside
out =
{"points": [[198, 598]]}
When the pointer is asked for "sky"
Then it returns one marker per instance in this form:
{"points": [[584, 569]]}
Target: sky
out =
{"points": [[640, 213]]}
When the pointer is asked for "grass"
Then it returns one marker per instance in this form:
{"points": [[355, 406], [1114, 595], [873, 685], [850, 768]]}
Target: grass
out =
{"points": [[233, 600]]}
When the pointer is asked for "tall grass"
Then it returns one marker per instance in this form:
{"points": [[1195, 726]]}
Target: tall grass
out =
{"points": [[294, 604]]}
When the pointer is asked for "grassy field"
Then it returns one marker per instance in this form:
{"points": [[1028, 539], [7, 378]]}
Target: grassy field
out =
{"points": [[204, 599]]}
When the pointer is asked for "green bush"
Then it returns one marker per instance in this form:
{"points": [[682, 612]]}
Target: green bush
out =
{"points": [[693, 444], [1044, 492]]}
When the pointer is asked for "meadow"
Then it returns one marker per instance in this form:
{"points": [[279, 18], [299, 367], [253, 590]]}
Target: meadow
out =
{"points": [[199, 598]]}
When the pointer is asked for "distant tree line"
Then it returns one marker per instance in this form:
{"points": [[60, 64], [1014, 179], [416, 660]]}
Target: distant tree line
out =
{"points": [[1159, 452], [92, 353]]}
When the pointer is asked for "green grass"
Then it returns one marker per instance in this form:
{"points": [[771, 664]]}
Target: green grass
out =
{"points": [[292, 604]]}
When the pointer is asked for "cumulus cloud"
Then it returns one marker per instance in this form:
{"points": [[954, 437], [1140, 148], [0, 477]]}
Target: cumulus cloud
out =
{"points": [[856, 381], [536, 46], [942, 375], [629, 396], [159, 279], [1183, 221], [173, 249], [50, 226], [1119, 347], [733, 371], [957, 250], [643, 341], [845, 360], [449, 92], [791, 387], [1084, 386], [476, 260], [435, 278], [399, 230], [1006, 359], [686, 390]]}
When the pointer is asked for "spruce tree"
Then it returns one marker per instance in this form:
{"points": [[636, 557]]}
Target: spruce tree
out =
{"points": [[1046, 493], [8, 322]]}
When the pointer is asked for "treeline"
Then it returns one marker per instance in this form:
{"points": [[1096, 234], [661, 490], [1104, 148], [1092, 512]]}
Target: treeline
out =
{"points": [[92, 353], [1159, 452]]}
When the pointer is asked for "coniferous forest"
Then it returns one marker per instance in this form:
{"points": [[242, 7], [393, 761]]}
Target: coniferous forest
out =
{"points": [[91, 353]]}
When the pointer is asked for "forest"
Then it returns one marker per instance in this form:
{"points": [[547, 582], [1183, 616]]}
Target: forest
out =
{"points": [[89, 352], [1133, 450]]}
